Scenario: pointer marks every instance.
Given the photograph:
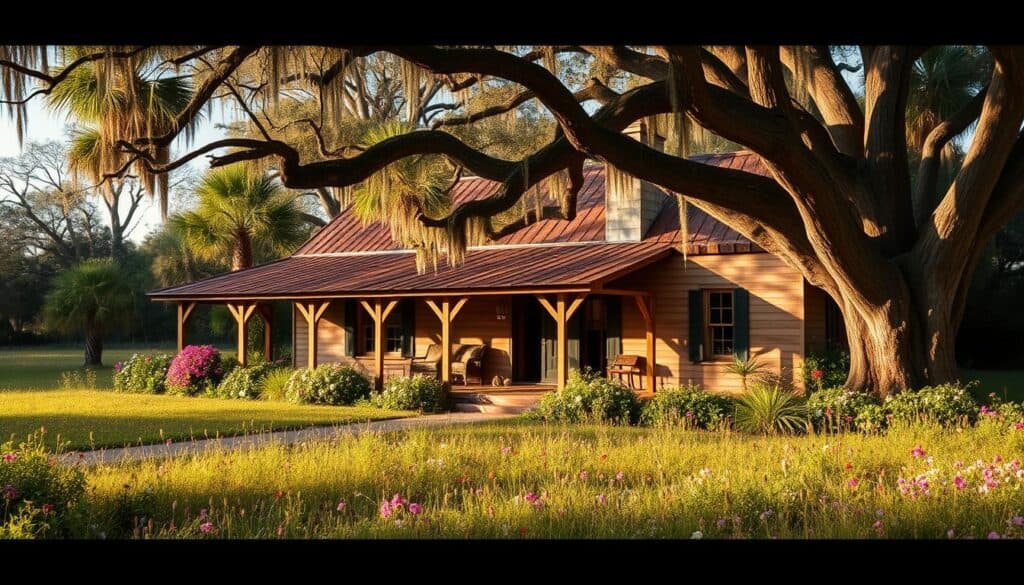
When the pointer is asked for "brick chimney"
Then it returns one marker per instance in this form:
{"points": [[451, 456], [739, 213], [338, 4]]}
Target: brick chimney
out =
{"points": [[632, 205]]}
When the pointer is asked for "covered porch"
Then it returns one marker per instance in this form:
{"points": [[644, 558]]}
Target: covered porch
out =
{"points": [[516, 314]]}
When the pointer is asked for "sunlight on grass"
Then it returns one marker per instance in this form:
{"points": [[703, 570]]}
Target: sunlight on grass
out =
{"points": [[94, 418], [526, 480]]}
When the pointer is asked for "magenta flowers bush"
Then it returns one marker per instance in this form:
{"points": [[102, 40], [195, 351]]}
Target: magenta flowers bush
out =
{"points": [[196, 370]]}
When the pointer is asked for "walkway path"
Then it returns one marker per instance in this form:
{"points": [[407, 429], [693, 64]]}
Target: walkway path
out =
{"points": [[139, 453]]}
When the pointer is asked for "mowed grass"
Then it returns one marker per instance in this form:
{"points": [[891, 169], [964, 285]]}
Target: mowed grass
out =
{"points": [[530, 480], [99, 418], [40, 368]]}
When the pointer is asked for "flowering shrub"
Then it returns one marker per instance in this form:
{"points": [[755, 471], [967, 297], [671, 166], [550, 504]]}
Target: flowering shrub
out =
{"points": [[418, 392], [588, 396], [245, 383], [690, 406], [327, 384], [145, 374], [945, 404], [196, 370], [1004, 414], [837, 409], [35, 492], [826, 370]]}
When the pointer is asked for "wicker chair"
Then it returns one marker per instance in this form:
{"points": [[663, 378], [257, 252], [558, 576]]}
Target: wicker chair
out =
{"points": [[429, 364], [467, 363]]}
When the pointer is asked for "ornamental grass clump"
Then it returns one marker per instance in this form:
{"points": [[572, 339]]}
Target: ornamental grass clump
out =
{"points": [[196, 370], [142, 374], [769, 409]]}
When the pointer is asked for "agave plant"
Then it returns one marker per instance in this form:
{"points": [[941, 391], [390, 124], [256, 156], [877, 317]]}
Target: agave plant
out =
{"points": [[769, 409], [744, 368]]}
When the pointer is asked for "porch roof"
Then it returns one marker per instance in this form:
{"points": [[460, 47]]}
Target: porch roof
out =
{"points": [[567, 266]]}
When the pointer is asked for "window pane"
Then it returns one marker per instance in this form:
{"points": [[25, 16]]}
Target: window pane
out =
{"points": [[726, 316]]}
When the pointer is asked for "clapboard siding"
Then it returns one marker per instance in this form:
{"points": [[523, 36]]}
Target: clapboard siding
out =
{"points": [[776, 315], [330, 336]]}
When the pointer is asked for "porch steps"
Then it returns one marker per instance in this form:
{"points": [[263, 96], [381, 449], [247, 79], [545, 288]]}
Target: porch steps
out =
{"points": [[496, 402]]}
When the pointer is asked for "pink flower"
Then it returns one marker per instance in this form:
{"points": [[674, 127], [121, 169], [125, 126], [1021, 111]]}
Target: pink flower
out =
{"points": [[817, 374], [828, 412], [853, 482], [1019, 426], [10, 492], [397, 502], [959, 482], [506, 450], [206, 527], [385, 509], [584, 475], [1017, 521], [532, 498], [523, 530], [917, 452], [47, 508], [620, 476], [878, 527], [278, 495], [415, 509], [602, 499], [994, 535], [118, 366], [341, 506], [280, 531], [8, 457]]}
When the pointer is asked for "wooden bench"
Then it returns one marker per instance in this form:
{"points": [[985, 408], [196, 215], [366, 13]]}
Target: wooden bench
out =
{"points": [[626, 365]]}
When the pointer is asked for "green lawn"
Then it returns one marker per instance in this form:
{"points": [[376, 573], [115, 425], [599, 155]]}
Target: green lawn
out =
{"points": [[1008, 384], [521, 479], [96, 418], [40, 367]]}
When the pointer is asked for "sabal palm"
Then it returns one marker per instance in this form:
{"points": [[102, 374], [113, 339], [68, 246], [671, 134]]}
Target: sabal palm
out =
{"points": [[241, 211], [114, 105], [942, 81], [94, 298]]}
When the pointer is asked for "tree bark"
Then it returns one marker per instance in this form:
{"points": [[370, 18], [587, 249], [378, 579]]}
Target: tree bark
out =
{"points": [[93, 344], [241, 255]]}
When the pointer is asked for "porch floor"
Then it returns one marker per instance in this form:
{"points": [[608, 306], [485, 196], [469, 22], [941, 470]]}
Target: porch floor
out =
{"points": [[489, 389]]}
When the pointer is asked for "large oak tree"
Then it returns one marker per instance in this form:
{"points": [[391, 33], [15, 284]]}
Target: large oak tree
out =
{"points": [[839, 203]]}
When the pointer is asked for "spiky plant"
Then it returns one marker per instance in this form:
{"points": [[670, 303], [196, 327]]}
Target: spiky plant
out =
{"points": [[242, 213], [769, 409], [744, 368]]}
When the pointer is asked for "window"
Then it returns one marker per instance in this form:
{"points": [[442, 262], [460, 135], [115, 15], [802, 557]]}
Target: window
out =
{"points": [[719, 322], [392, 332]]}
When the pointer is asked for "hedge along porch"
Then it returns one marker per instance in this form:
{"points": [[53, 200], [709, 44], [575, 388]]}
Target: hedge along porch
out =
{"points": [[549, 297]]}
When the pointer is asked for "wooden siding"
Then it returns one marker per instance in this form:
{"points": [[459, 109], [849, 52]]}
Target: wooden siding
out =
{"points": [[475, 323], [815, 301], [330, 336], [776, 315]]}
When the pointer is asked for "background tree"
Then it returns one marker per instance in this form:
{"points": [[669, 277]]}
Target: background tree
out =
{"points": [[838, 203], [242, 213], [94, 298]]}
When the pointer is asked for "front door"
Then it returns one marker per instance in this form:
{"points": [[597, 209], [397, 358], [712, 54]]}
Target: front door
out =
{"points": [[527, 341]]}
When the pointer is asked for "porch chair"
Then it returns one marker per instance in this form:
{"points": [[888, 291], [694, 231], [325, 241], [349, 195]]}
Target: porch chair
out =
{"points": [[467, 363], [429, 364], [626, 365]]}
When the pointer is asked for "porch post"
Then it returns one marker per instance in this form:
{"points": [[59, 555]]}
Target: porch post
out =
{"points": [[311, 312], [184, 312], [379, 313], [561, 314], [446, 314], [242, 313], [646, 306], [267, 314]]}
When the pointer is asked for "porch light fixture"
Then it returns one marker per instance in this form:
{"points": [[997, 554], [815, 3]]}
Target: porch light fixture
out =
{"points": [[501, 311]]}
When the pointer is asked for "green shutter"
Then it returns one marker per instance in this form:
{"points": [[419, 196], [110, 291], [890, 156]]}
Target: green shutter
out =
{"points": [[696, 341], [408, 309], [741, 316], [613, 329], [350, 327]]}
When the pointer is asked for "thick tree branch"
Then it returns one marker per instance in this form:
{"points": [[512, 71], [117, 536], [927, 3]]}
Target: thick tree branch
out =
{"points": [[833, 97]]}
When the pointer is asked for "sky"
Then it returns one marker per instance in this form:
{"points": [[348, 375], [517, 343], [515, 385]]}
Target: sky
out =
{"points": [[44, 125]]}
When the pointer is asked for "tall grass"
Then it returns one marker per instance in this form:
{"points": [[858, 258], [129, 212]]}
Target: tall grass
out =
{"points": [[525, 480]]}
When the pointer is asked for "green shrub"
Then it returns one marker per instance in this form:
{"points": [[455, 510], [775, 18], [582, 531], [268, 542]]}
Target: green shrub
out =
{"points": [[36, 493], [143, 374], [769, 409], [245, 383], [328, 384], [418, 392], [590, 397], [275, 385], [689, 406], [826, 369], [945, 404], [837, 409]]}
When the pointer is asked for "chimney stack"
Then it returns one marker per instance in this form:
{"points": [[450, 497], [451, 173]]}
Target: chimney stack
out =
{"points": [[631, 205]]}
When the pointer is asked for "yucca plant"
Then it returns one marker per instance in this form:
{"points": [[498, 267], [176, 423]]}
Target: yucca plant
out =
{"points": [[744, 368], [769, 409]]}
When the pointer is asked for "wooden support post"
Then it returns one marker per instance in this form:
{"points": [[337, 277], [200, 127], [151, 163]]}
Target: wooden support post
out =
{"points": [[379, 313], [267, 314], [645, 305], [561, 312], [311, 312], [446, 314], [184, 312], [242, 313]]}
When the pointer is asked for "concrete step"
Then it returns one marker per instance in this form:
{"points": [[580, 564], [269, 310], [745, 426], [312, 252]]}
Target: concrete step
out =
{"points": [[497, 402], [487, 408]]}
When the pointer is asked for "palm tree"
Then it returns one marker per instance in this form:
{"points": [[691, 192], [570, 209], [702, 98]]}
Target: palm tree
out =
{"points": [[112, 104], [242, 213], [94, 298]]}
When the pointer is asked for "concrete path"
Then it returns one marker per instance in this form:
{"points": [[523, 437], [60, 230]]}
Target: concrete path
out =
{"points": [[139, 453]]}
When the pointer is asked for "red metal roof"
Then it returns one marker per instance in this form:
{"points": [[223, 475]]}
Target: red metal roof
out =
{"points": [[346, 257], [559, 266]]}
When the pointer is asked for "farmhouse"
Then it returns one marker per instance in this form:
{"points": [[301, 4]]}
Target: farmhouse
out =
{"points": [[610, 287]]}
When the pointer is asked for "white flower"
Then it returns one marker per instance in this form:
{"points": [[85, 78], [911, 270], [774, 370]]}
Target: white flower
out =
{"points": [[697, 535]]}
